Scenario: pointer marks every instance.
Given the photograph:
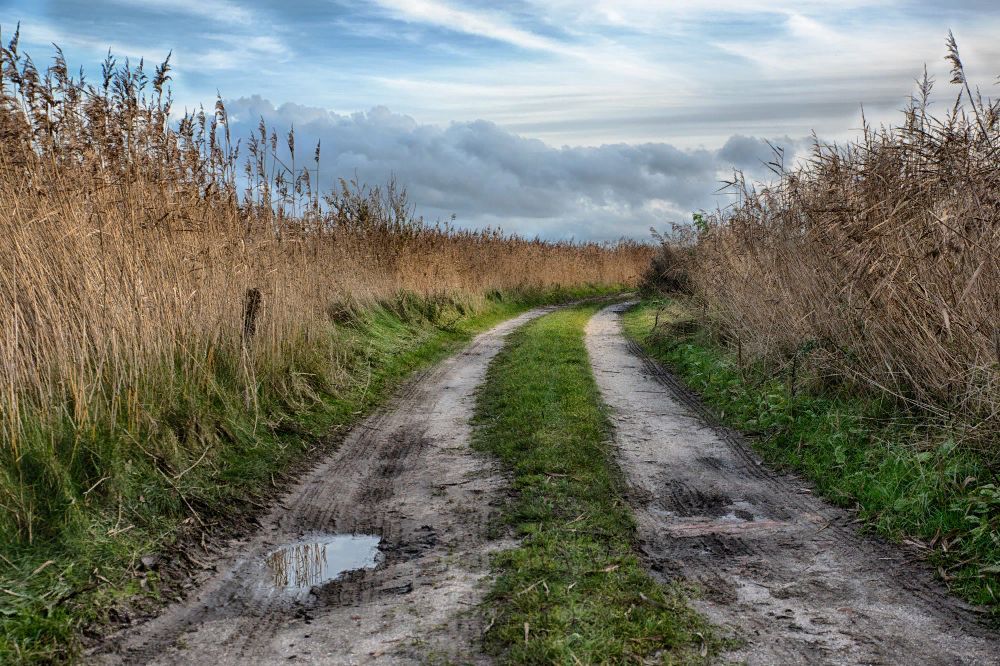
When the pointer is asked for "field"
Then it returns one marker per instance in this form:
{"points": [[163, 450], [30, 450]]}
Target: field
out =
{"points": [[174, 307], [772, 439]]}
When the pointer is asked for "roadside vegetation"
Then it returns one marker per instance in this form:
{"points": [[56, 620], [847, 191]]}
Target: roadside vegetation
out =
{"points": [[573, 590], [183, 315], [907, 477], [846, 317], [872, 264]]}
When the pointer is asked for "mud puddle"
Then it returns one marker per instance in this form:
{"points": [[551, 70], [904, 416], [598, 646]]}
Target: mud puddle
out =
{"points": [[300, 566], [407, 474]]}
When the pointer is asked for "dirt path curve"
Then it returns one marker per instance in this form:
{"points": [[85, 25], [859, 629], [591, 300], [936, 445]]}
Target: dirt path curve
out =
{"points": [[407, 475], [788, 572]]}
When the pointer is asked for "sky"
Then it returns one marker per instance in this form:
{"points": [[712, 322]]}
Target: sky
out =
{"points": [[557, 118]]}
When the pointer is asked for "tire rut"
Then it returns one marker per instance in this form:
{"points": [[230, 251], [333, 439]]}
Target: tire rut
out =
{"points": [[783, 570], [407, 475]]}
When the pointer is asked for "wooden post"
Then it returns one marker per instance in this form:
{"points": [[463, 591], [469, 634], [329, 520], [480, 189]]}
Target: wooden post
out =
{"points": [[251, 308]]}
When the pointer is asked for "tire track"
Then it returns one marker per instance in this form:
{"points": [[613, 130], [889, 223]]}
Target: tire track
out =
{"points": [[407, 475], [783, 570]]}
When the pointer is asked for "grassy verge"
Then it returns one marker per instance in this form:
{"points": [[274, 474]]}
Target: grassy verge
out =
{"points": [[573, 591], [906, 476], [86, 569]]}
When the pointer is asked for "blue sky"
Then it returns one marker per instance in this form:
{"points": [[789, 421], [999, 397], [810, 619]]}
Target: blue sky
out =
{"points": [[552, 117]]}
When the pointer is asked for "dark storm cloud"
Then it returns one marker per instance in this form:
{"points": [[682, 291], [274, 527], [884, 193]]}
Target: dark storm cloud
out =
{"points": [[485, 174]]}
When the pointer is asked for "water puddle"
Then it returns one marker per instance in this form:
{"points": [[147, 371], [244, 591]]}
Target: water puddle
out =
{"points": [[317, 560]]}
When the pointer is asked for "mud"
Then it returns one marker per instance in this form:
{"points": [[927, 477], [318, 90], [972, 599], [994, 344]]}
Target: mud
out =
{"points": [[405, 477], [782, 570]]}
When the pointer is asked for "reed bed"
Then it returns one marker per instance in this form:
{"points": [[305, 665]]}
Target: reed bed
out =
{"points": [[873, 265], [148, 261]]}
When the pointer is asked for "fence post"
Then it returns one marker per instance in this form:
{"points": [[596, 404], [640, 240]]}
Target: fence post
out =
{"points": [[251, 308]]}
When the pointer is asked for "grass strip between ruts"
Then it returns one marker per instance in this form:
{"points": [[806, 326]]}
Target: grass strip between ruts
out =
{"points": [[573, 591]]}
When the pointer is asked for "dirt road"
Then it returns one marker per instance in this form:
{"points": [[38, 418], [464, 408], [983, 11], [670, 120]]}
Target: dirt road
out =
{"points": [[788, 572], [406, 477], [404, 505]]}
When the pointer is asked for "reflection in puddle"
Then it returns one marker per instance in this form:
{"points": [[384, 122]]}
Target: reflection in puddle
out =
{"points": [[322, 559]]}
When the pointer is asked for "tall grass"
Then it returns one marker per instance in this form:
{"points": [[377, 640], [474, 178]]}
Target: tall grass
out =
{"points": [[147, 262], [873, 265]]}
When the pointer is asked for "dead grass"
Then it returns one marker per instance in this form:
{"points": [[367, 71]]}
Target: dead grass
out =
{"points": [[146, 260], [874, 264]]}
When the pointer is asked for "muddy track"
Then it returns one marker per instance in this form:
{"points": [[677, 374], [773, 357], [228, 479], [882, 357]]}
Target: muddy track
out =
{"points": [[407, 475], [783, 570]]}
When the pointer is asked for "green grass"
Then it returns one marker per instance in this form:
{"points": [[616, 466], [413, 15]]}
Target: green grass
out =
{"points": [[139, 487], [903, 473], [573, 591]]}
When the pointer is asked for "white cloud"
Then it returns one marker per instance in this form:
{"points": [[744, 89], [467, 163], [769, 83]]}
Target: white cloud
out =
{"points": [[237, 51], [689, 74], [221, 11], [44, 34], [482, 24], [895, 52], [598, 52], [487, 175], [677, 16]]}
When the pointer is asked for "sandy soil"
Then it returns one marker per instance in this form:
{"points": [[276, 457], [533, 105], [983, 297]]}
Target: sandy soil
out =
{"points": [[779, 567], [407, 475]]}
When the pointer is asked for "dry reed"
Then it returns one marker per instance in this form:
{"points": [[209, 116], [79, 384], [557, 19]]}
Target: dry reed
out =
{"points": [[874, 262], [130, 243]]}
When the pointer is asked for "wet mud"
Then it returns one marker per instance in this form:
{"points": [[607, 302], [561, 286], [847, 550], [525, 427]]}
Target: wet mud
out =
{"points": [[380, 554], [785, 572]]}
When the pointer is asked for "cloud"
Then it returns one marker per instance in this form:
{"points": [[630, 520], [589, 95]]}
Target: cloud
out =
{"points": [[752, 154], [43, 34], [834, 48], [222, 11], [487, 175], [235, 51], [656, 99], [470, 22], [597, 52], [584, 72]]}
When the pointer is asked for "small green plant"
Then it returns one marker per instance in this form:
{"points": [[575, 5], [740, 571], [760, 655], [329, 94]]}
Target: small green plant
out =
{"points": [[700, 222]]}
